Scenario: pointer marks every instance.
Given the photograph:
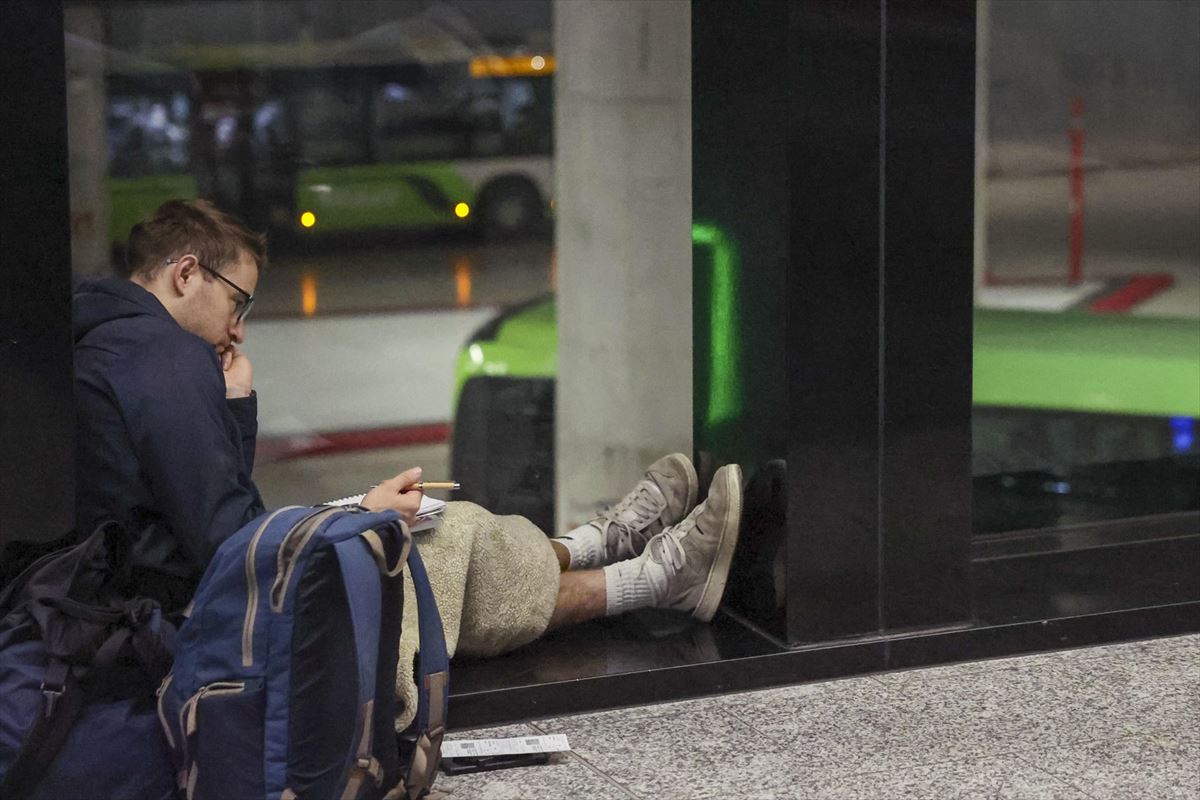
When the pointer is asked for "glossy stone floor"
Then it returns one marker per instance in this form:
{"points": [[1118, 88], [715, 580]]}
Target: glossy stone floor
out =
{"points": [[1118, 722]]}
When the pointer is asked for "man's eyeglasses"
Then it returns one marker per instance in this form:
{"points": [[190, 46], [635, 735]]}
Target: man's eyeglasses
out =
{"points": [[244, 305]]}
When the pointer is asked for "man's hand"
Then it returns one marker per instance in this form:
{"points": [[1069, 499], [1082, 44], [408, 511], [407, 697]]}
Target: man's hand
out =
{"points": [[395, 494], [239, 374]]}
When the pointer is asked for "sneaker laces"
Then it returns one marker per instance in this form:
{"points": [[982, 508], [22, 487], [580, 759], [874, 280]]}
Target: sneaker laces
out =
{"points": [[644, 508], [669, 551]]}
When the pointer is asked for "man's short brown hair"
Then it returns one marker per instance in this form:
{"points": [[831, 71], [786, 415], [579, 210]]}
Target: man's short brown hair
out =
{"points": [[180, 227]]}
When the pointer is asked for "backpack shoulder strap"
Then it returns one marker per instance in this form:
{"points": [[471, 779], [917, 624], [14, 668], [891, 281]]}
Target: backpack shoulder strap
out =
{"points": [[433, 663], [63, 703], [433, 683], [365, 599]]}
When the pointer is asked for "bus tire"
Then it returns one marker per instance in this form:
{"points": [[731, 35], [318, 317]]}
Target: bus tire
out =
{"points": [[510, 207]]}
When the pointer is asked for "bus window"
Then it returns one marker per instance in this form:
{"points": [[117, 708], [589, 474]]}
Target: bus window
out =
{"points": [[418, 120], [147, 134], [270, 128], [330, 124], [274, 162], [514, 116]]}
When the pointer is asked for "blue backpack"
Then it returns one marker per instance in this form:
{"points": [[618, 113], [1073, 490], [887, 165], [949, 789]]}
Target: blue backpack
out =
{"points": [[285, 671]]}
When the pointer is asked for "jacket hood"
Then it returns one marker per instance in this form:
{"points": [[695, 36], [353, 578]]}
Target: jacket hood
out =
{"points": [[103, 300]]}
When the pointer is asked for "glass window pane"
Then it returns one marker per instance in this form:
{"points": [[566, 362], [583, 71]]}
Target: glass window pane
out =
{"points": [[398, 157], [1087, 326]]}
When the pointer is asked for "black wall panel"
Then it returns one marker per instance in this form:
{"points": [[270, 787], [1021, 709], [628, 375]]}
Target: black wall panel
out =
{"points": [[36, 408], [833, 142]]}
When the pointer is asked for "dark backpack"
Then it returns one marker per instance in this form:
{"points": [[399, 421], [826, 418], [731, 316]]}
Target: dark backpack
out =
{"points": [[80, 656], [285, 672]]}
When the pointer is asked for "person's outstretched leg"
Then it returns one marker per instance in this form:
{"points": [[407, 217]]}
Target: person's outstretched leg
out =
{"points": [[684, 567], [581, 597], [662, 498]]}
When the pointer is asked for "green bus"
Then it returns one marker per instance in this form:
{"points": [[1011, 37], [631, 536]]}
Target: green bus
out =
{"points": [[308, 141]]}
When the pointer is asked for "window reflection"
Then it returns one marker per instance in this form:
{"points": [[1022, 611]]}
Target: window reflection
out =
{"points": [[1087, 325]]}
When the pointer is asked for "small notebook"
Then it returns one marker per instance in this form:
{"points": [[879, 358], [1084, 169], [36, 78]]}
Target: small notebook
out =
{"points": [[428, 515]]}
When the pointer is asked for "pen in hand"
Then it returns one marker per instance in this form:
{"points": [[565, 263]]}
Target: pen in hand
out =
{"points": [[425, 485]]}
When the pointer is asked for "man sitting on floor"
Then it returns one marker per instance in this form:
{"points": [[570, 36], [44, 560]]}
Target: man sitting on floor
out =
{"points": [[166, 427]]}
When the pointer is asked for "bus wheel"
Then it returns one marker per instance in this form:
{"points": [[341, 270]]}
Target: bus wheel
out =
{"points": [[510, 208]]}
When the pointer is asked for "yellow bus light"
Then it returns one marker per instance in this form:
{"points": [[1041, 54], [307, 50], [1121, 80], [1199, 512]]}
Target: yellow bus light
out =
{"points": [[494, 66], [462, 210], [308, 219]]}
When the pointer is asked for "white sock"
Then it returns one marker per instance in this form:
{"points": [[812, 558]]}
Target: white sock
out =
{"points": [[585, 545], [629, 585]]}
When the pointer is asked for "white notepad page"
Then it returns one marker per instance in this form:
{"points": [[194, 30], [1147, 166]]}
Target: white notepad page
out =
{"points": [[428, 515]]}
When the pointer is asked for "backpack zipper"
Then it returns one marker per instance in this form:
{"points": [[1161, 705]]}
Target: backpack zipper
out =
{"points": [[252, 590], [162, 713], [289, 551], [188, 722], [215, 689]]}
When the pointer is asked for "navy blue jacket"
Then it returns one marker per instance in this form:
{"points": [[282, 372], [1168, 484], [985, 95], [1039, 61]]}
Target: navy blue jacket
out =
{"points": [[158, 447]]}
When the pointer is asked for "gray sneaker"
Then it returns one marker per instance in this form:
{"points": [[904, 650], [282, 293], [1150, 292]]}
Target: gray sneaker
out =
{"points": [[693, 557], [663, 497]]}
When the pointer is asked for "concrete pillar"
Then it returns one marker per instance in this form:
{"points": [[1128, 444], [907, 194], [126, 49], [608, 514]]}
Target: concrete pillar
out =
{"points": [[86, 146], [623, 232]]}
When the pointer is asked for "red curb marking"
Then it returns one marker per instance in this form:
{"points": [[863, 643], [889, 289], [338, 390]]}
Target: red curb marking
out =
{"points": [[1135, 291], [282, 448]]}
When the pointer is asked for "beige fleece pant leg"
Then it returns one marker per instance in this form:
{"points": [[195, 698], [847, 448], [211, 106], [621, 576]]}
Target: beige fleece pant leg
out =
{"points": [[495, 580]]}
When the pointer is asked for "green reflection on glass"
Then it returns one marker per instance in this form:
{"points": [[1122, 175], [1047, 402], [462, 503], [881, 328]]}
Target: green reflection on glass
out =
{"points": [[724, 387]]}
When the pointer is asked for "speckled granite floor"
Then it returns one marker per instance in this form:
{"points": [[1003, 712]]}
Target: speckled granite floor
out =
{"points": [[1119, 722]]}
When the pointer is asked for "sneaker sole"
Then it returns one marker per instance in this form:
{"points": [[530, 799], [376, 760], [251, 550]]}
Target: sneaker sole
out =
{"points": [[718, 573]]}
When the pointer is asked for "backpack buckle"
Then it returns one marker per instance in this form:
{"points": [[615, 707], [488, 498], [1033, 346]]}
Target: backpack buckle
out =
{"points": [[52, 695]]}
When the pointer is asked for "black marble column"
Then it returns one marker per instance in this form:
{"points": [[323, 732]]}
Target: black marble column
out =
{"points": [[36, 406], [926, 204], [740, 212], [833, 154], [834, 292]]}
